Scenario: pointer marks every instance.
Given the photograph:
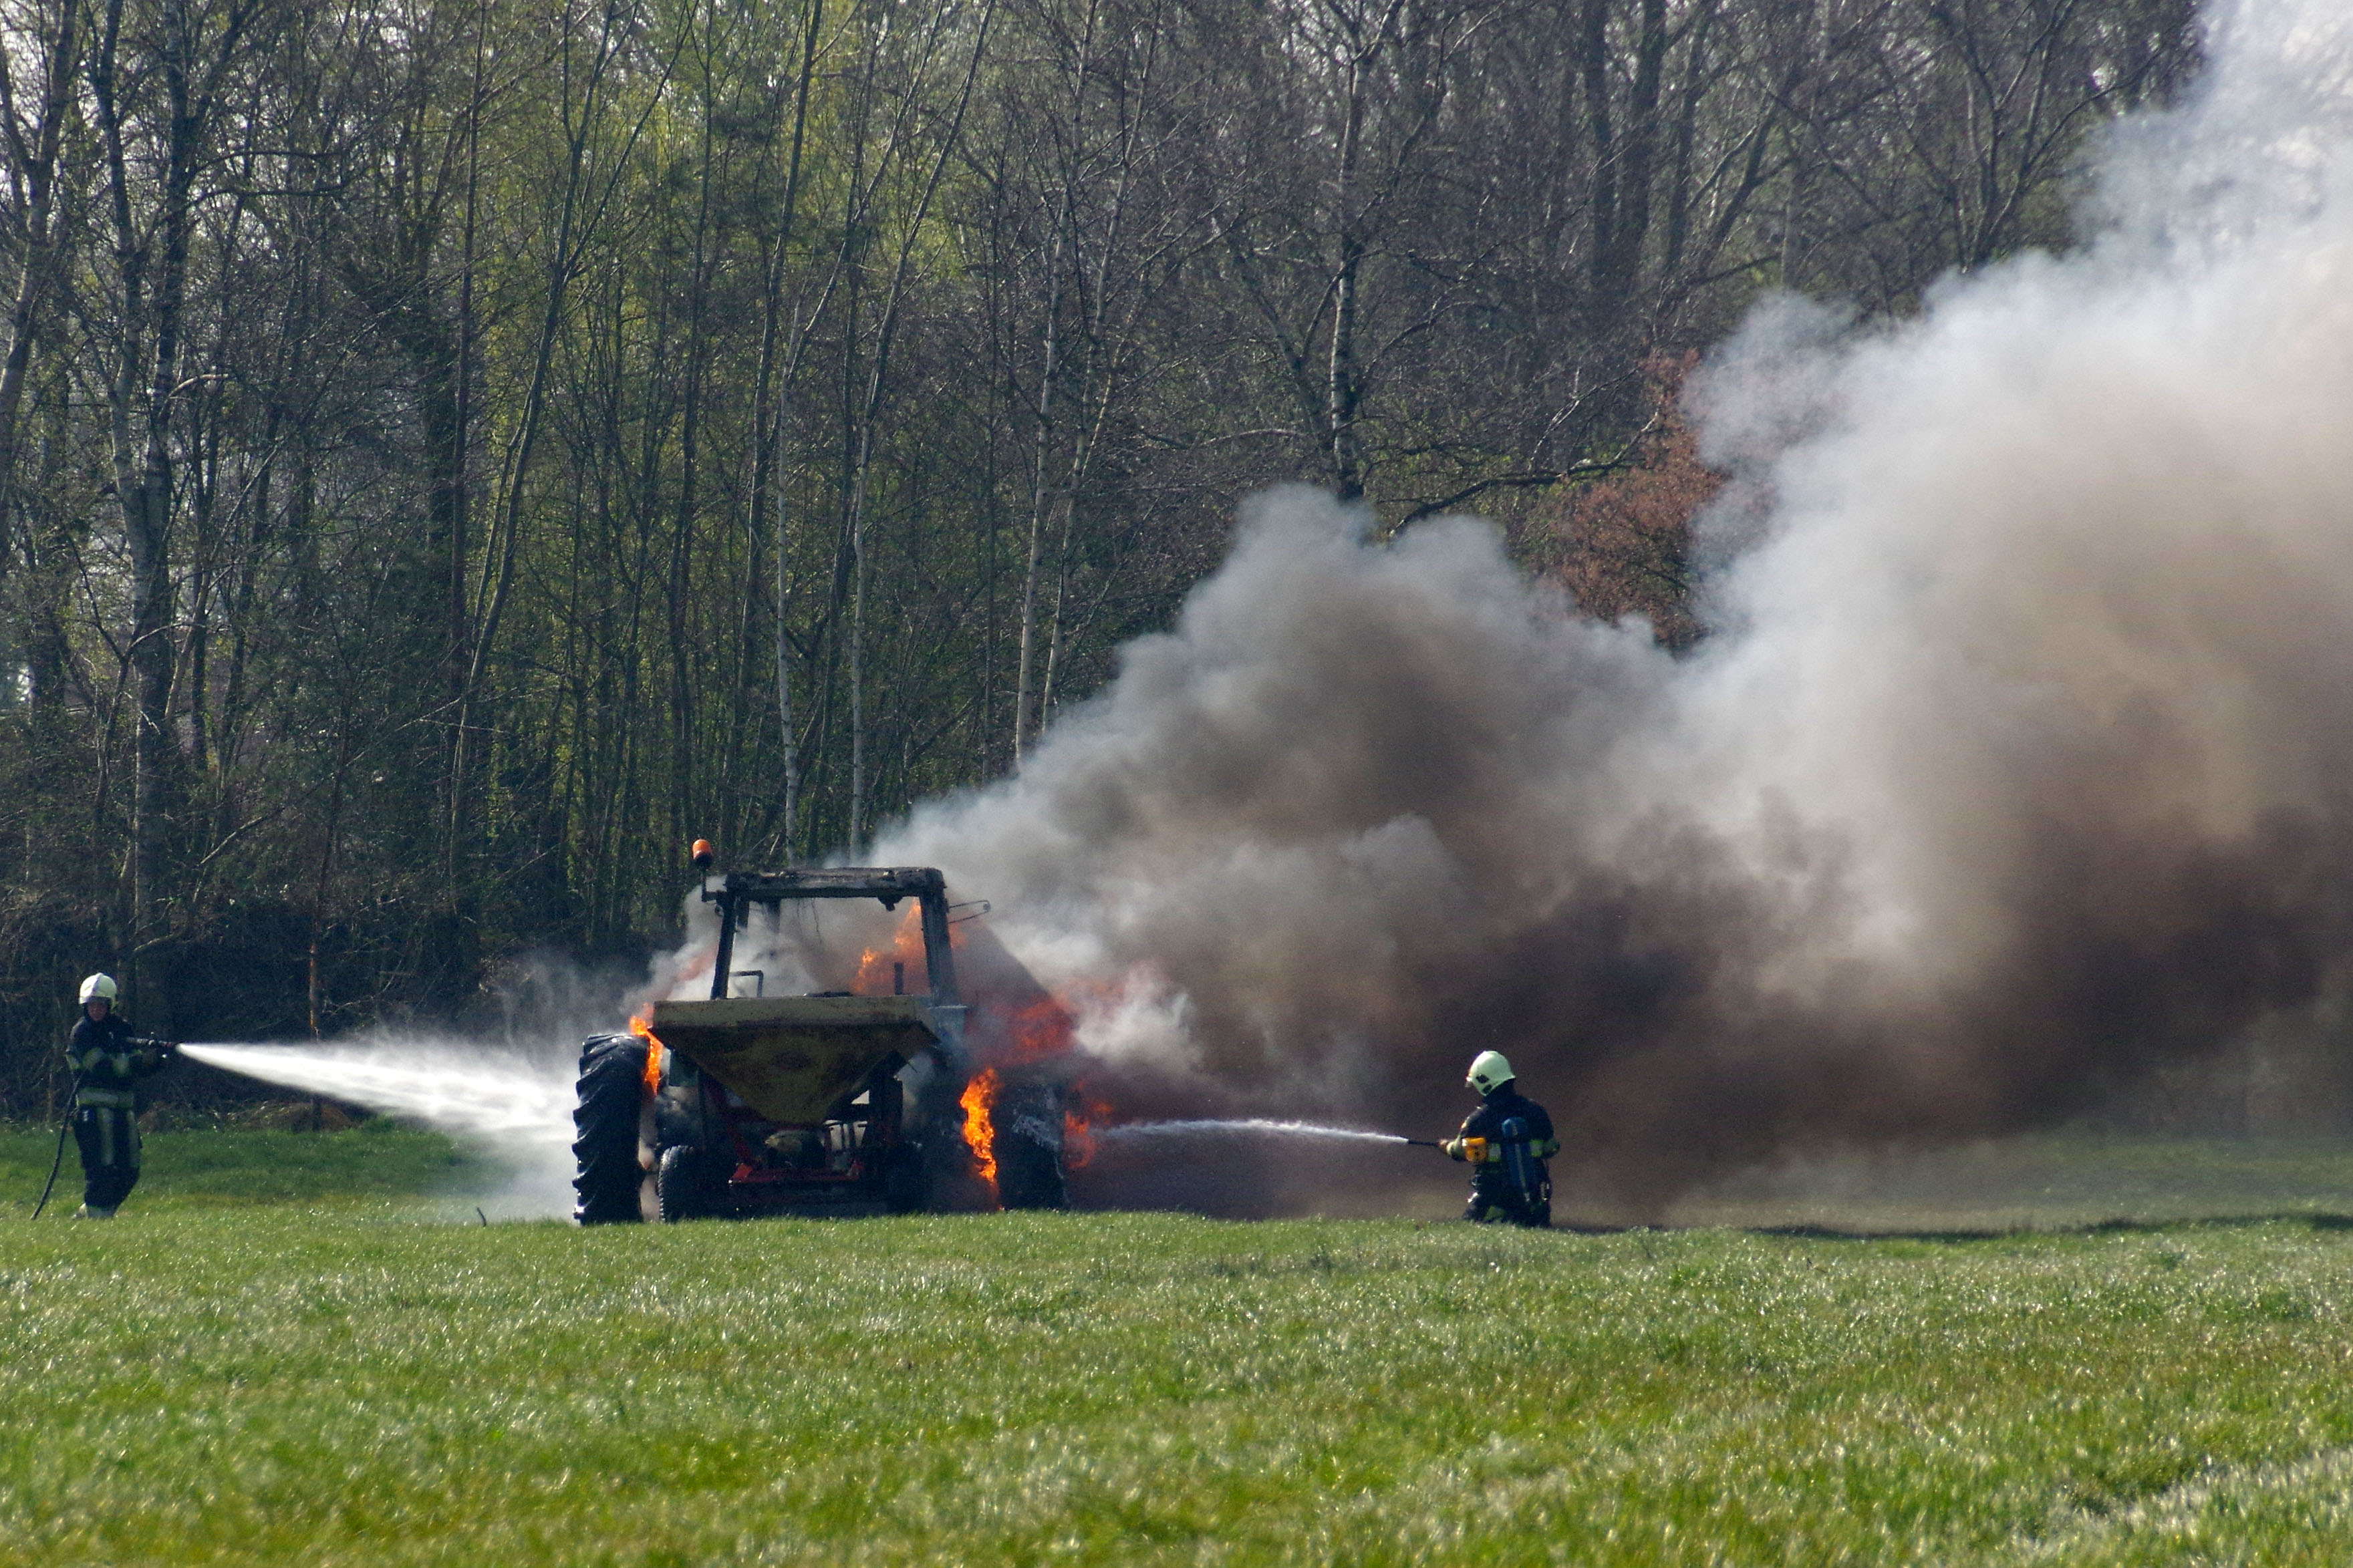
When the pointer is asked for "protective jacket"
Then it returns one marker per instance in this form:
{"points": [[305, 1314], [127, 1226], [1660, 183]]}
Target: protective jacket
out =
{"points": [[107, 1060], [1510, 1137]]}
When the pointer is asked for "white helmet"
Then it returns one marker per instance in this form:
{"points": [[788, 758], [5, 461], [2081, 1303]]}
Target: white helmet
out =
{"points": [[1489, 1072], [98, 988]]}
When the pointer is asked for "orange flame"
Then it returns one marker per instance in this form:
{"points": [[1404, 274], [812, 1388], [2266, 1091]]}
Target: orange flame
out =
{"points": [[644, 1030], [1081, 1112], [1043, 1028], [873, 977], [979, 1130]]}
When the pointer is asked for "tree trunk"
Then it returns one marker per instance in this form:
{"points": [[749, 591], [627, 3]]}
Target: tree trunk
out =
{"points": [[142, 395], [37, 263]]}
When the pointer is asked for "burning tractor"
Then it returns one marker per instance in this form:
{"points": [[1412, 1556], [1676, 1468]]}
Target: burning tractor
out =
{"points": [[832, 1103]]}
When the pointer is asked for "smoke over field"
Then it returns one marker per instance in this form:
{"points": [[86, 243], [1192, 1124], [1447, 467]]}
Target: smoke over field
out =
{"points": [[2019, 760]]}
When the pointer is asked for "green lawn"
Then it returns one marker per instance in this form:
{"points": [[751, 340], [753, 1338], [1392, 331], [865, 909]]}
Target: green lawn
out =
{"points": [[330, 1379], [377, 1162]]}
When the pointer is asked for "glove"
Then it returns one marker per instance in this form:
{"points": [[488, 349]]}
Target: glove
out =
{"points": [[1453, 1147]]}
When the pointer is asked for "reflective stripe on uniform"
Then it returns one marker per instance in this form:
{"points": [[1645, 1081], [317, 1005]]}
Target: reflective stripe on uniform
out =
{"points": [[117, 1137], [91, 1099]]}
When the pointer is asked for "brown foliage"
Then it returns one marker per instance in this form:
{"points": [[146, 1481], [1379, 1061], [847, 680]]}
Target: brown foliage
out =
{"points": [[1622, 545]]}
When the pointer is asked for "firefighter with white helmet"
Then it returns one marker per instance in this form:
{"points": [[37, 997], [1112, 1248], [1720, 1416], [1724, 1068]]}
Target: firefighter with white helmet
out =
{"points": [[107, 1059], [1506, 1142]]}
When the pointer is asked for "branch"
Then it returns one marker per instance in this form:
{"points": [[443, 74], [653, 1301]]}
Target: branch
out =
{"points": [[1534, 479]]}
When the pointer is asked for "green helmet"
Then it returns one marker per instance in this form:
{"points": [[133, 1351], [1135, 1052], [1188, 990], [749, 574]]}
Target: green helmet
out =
{"points": [[1489, 1072], [98, 988]]}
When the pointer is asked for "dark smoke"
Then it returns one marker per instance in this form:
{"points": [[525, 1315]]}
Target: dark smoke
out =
{"points": [[2020, 763]]}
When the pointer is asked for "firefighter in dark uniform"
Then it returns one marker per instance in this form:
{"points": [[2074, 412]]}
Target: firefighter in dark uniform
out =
{"points": [[1506, 1142], [107, 1060]]}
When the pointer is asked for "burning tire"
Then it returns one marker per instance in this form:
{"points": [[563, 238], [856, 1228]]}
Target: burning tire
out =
{"points": [[1028, 1145], [611, 1108], [1030, 1176]]}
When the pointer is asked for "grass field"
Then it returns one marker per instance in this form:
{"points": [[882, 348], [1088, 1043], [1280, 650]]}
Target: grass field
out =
{"points": [[329, 1377]]}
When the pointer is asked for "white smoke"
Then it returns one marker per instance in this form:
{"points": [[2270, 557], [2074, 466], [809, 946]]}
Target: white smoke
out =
{"points": [[2020, 761]]}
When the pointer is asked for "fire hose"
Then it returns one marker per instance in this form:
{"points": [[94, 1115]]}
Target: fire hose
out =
{"points": [[1488, 1151], [58, 1161], [1473, 1151]]}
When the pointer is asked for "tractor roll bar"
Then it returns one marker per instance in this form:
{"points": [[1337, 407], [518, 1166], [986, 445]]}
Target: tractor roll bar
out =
{"points": [[738, 890]]}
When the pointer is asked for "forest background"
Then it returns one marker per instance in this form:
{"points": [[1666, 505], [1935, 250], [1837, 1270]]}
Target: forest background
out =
{"points": [[455, 452]]}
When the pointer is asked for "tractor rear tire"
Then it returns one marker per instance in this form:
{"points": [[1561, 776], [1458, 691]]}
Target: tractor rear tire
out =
{"points": [[612, 1102], [1028, 1175], [1030, 1146]]}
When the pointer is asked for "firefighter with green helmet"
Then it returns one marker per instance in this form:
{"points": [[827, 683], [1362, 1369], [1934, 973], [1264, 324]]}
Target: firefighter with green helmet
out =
{"points": [[1505, 1142], [108, 1060]]}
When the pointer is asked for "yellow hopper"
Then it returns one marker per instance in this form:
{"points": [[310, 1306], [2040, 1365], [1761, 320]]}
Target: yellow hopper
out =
{"points": [[793, 1058]]}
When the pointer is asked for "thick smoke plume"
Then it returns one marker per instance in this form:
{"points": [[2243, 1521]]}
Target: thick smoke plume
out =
{"points": [[2019, 761]]}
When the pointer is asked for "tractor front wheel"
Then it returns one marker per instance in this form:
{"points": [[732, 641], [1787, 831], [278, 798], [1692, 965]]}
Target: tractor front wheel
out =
{"points": [[906, 1180], [684, 1184]]}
